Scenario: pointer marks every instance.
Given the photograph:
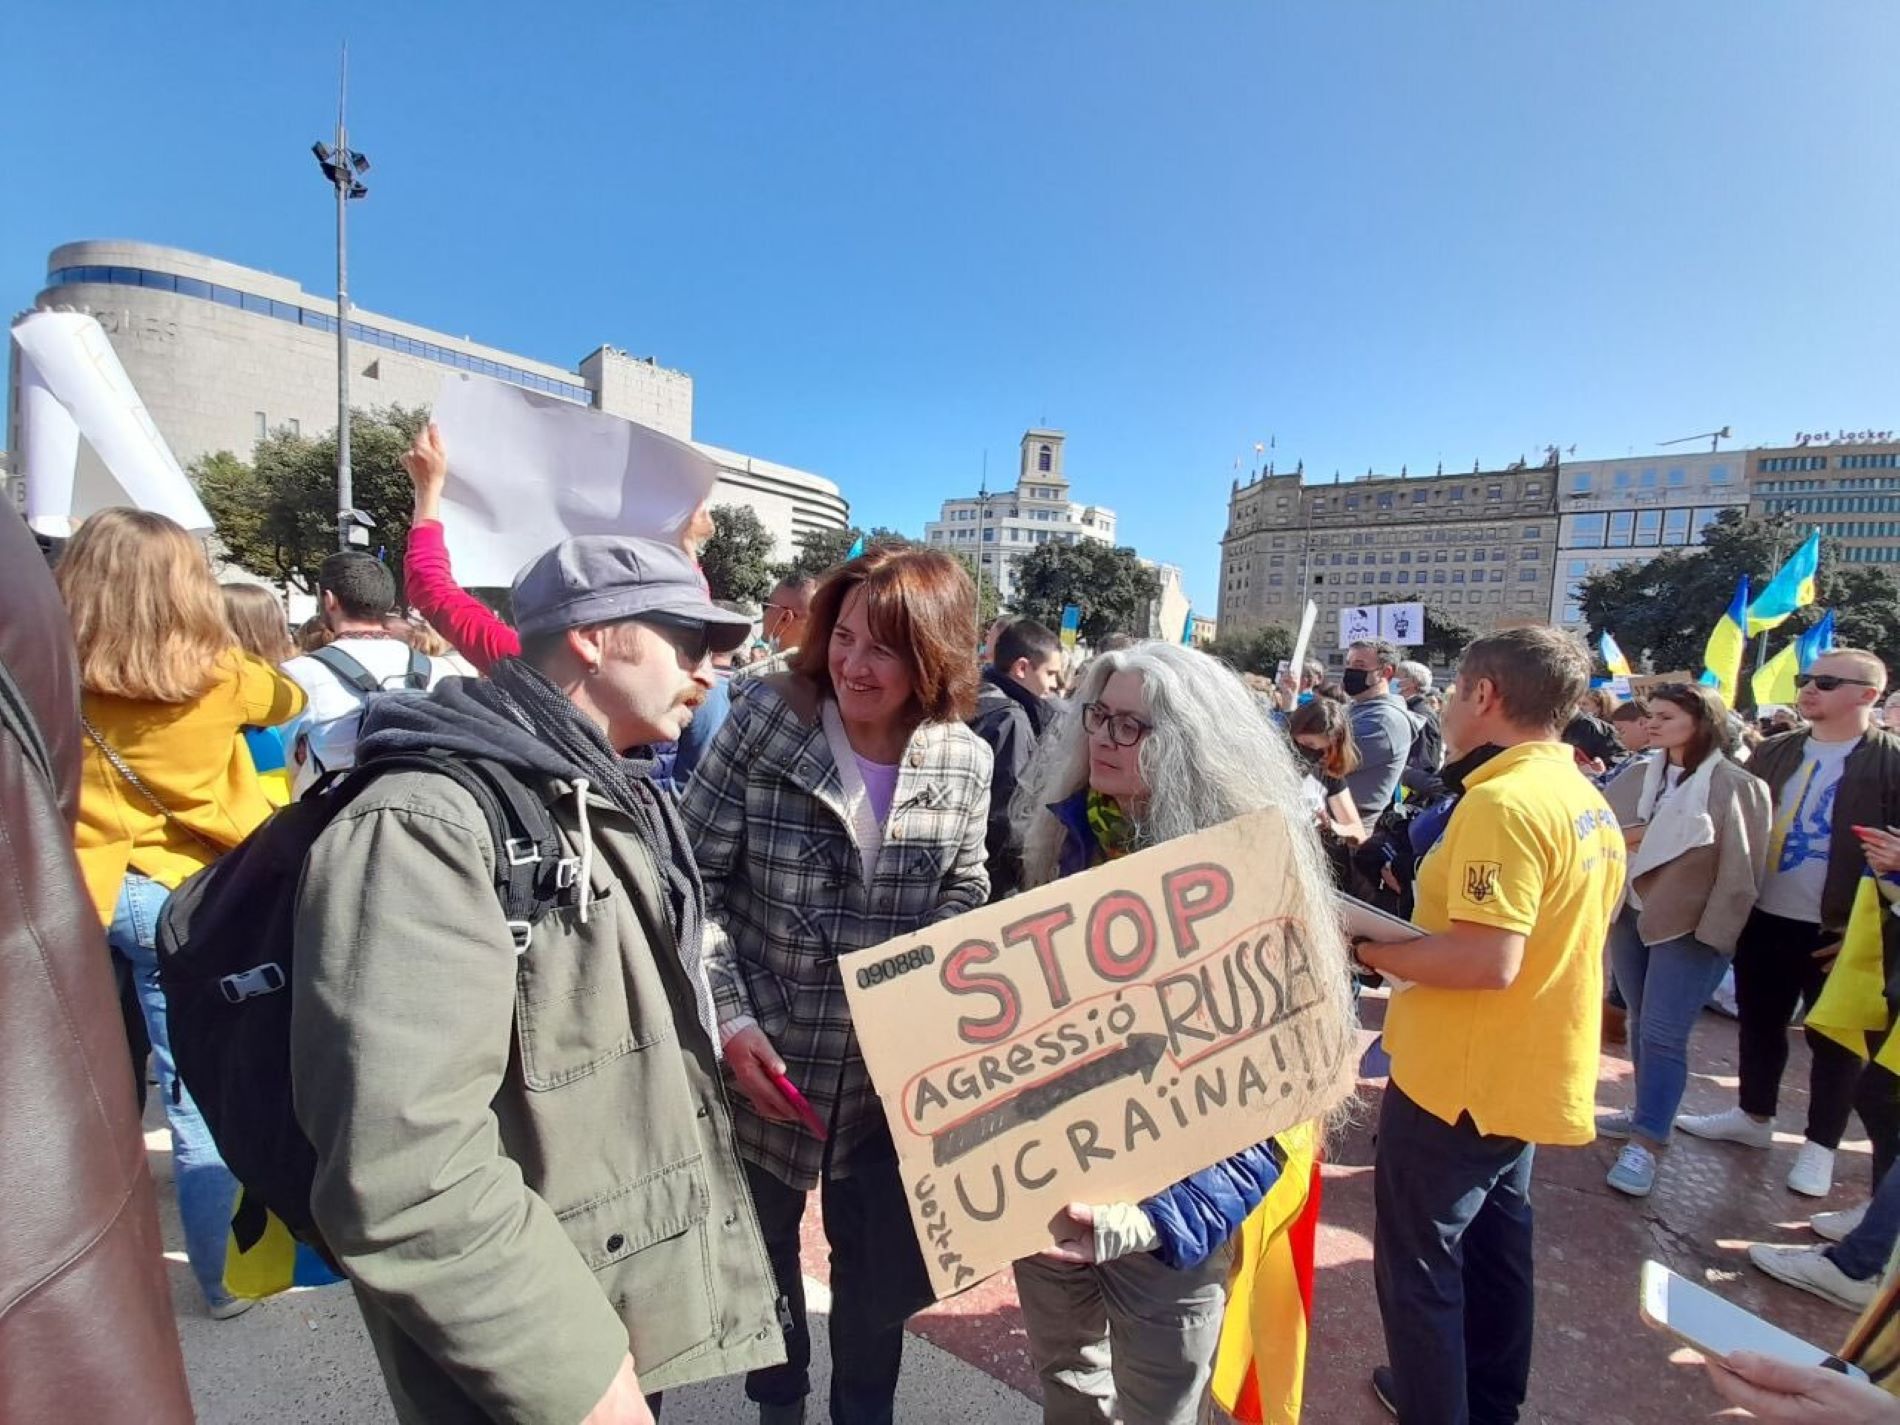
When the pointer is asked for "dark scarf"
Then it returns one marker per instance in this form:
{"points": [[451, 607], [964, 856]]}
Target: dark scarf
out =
{"points": [[628, 783]]}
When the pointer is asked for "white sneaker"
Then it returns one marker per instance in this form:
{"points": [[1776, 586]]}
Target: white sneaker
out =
{"points": [[1813, 1172], [1834, 1226], [1731, 1125], [1811, 1269], [235, 1306]]}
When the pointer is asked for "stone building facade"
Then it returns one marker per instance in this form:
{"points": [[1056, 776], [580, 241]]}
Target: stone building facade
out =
{"points": [[998, 529], [1846, 484], [1477, 548], [222, 354]]}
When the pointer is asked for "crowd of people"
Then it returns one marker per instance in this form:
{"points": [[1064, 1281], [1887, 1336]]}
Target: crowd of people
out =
{"points": [[562, 1157]]}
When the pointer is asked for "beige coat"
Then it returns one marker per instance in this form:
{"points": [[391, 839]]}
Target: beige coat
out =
{"points": [[1703, 854]]}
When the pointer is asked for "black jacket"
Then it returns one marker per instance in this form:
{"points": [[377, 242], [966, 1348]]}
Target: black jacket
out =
{"points": [[1010, 719]]}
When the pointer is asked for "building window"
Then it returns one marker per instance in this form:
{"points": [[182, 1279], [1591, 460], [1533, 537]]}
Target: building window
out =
{"points": [[1678, 477], [989, 537], [1648, 482], [1718, 474], [1527, 576], [1457, 497], [1580, 483], [1532, 531], [1494, 492], [1620, 525], [259, 426], [1648, 526], [1043, 457], [1418, 497], [1405, 576], [1528, 556], [294, 425], [1497, 576], [1676, 527], [1622, 479]]}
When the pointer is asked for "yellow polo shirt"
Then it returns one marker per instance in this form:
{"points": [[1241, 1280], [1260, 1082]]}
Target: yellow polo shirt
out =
{"points": [[1533, 848]]}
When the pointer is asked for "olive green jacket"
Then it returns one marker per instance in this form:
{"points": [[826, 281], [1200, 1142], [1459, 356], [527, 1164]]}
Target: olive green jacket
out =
{"points": [[525, 1163]]}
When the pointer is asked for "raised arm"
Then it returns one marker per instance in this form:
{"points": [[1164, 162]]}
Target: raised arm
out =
{"points": [[428, 582]]}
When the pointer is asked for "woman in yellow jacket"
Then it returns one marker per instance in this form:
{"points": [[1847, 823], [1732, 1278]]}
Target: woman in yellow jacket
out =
{"points": [[167, 786]]}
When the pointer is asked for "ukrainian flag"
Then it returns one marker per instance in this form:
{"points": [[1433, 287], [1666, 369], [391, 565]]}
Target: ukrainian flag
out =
{"points": [[1774, 680], [1722, 658], [1853, 1005], [1792, 588], [1613, 658]]}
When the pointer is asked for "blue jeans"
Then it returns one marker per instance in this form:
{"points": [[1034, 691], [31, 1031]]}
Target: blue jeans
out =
{"points": [[1863, 1253], [206, 1189], [1451, 1259], [1665, 986]]}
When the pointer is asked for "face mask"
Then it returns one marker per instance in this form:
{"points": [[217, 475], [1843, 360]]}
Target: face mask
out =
{"points": [[1355, 681]]}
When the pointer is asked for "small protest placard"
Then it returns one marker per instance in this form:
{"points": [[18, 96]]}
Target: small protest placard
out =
{"points": [[1100, 1038]]}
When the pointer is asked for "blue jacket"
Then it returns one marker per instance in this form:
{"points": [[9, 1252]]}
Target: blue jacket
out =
{"points": [[1199, 1213]]}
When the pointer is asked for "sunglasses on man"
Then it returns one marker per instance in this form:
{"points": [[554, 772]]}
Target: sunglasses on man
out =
{"points": [[690, 638], [1828, 682]]}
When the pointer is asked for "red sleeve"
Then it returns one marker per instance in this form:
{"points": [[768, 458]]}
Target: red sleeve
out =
{"points": [[460, 617]]}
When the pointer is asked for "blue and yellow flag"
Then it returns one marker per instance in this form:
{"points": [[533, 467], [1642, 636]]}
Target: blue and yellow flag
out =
{"points": [[1722, 658], [1853, 1004], [1792, 588], [1071, 624], [1613, 658], [1774, 680], [1187, 630]]}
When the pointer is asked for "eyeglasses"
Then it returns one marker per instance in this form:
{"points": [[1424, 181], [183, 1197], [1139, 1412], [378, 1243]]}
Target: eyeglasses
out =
{"points": [[1124, 729], [1828, 682], [691, 639]]}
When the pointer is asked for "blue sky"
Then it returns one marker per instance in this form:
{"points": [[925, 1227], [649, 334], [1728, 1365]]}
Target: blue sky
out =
{"points": [[884, 238]]}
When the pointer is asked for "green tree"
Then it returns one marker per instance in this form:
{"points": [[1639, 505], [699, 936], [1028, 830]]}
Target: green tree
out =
{"points": [[276, 515], [821, 550], [1661, 610], [989, 600], [1110, 585], [1260, 649], [1445, 641], [737, 560]]}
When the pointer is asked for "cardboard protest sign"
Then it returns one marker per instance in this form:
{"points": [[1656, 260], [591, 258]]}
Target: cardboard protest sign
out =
{"points": [[1100, 1038]]}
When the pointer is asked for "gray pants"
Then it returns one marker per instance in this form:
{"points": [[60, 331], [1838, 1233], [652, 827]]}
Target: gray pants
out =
{"points": [[1129, 1340]]}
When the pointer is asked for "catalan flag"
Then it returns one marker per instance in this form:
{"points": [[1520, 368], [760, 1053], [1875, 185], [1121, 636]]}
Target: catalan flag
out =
{"points": [[1792, 588], [1613, 658], [1722, 658], [1260, 1366]]}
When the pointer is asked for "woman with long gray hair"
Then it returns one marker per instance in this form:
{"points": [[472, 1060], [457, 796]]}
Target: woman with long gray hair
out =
{"points": [[1166, 742]]}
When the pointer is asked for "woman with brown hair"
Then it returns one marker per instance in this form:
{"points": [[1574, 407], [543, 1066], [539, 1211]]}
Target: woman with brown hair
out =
{"points": [[1321, 730], [1696, 857], [843, 803], [166, 786]]}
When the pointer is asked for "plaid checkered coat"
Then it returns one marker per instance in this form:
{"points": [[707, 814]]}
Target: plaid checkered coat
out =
{"points": [[785, 896]]}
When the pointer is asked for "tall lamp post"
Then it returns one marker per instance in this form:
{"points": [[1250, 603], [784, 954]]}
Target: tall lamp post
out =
{"points": [[341, 166]]}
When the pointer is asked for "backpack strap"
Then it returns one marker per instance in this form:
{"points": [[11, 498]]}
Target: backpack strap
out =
{"points": [[417, 678], [348, 671], [531, 872]]}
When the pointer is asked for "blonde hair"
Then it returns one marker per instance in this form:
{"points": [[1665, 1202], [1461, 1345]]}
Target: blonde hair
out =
{"points": [[257, 619], [147, 615]]}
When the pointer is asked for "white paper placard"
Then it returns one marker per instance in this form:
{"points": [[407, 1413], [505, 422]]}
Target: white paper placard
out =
{"points": [[528, 470]]}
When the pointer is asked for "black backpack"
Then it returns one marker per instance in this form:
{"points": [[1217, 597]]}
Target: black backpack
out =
{"points": [[225, 960]]}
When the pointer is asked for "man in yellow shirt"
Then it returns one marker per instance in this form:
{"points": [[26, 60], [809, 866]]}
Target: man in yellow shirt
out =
{"points": [[1494, 1041]]}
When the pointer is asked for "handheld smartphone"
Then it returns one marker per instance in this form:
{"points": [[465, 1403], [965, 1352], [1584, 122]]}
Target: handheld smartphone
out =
{"points": [[1698, 1317], [801, 1106]]}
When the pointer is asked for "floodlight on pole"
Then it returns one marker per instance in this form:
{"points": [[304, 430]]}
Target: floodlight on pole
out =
{"points": [[341, 165]]}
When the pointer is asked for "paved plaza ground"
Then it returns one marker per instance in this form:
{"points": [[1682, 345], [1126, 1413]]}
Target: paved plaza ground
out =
{"points": [[304, 1357]]}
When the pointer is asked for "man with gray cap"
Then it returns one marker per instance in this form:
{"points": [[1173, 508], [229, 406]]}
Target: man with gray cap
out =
{"points": [[524, 1155]]}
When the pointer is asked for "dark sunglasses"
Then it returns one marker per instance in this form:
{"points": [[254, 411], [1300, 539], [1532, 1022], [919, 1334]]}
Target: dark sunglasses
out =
{"points": [[1828, 682], [690, 638]]}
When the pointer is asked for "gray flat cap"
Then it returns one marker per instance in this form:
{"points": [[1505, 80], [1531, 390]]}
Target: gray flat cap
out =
{"points": [[605, 578]]}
